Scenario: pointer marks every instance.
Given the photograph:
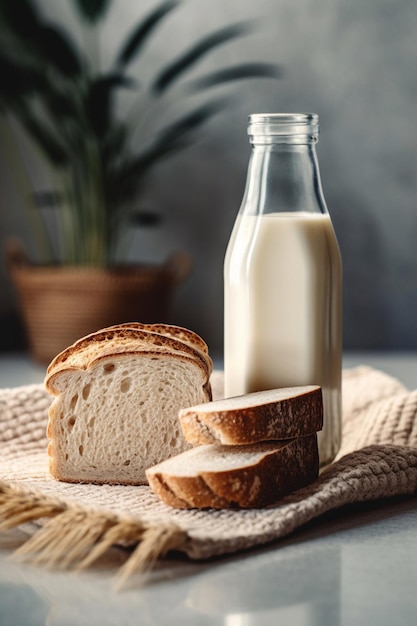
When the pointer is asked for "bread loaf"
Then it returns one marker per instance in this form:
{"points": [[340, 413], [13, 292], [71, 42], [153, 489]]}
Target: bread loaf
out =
{"points": [[117, 397], [217, 476], [261, 416]]}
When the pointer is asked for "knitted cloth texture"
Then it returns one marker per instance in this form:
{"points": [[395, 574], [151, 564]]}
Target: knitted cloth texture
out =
{"points": [[378, 459]]}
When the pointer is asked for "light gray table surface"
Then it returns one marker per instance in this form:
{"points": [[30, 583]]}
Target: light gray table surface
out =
{"points": [[354, 567]]}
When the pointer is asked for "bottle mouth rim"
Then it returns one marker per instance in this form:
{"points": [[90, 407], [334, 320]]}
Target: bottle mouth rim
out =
{"points": [[283, 124]]}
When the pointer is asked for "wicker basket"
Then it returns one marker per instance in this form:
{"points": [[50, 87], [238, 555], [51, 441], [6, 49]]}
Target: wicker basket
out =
{"points": [[61, 304]]}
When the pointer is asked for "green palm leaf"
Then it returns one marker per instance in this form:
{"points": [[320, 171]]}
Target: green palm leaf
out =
{"points": [[37, 41], [58, 50], [142, 31], [237, 72], [176, 136], [21, 84], [60, 103], [187, 124], [187, 60], [92, 10], [17, 80], [21, 17], [99, 101], [48, 142]]}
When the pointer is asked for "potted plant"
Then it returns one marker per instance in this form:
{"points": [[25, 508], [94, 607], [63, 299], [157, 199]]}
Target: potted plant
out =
{"points": [[68, 107]]}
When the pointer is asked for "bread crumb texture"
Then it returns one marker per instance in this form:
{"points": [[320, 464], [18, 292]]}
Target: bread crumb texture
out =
{"points": [[119, 416]]}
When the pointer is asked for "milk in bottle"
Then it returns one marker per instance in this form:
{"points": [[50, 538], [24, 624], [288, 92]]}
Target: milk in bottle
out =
{"points": [[283, 276]]}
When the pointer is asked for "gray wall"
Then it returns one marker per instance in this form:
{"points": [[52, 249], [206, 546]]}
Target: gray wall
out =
{"points": [[353, 62]]}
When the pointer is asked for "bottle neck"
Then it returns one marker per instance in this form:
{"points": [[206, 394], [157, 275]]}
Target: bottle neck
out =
{"points": [[283, 176]]}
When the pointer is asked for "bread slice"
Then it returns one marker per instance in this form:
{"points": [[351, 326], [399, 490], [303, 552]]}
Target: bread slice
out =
{"points": [[116, 409], [260, 416], [216, 476]]}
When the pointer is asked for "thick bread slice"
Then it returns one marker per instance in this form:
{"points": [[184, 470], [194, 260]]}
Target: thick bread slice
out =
{"points": [[216, 476], [86, 350], [112, 420], [254, 417], [169, 330]]}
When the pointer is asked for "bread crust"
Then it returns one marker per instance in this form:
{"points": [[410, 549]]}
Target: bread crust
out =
{"points": [[169, 330], [295, 416], [118, 341], [285, 467]]}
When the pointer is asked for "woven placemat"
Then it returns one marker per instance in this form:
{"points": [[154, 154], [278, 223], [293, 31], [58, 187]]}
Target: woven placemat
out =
{"points": [[75, 524]]}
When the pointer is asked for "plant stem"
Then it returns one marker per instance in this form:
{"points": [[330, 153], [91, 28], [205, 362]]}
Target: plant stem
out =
{"points": [[67, 227], [88, 240]]}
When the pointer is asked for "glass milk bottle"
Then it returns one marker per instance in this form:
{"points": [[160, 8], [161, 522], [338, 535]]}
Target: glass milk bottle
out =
{"points": [[283, 274]]}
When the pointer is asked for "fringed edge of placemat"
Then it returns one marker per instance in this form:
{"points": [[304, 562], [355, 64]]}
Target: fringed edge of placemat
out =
{"points": [[74, 537]]}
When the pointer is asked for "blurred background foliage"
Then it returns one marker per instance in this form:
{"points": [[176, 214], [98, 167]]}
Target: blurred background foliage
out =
{"points": [[67, 103]]}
